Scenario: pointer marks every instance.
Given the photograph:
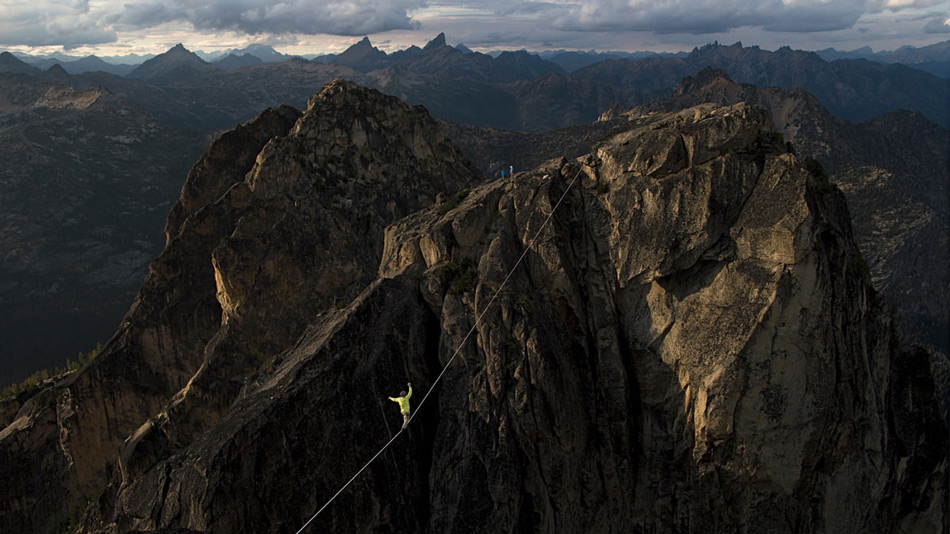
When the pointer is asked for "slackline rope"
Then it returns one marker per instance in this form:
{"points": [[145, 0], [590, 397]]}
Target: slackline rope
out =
{"points": [[457, 350]]}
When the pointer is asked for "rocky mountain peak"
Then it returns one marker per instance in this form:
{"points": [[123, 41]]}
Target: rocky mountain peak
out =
{"points": [[437, 42], [174, 58], [695, 267], [176, 53], [360, 53], [11, 63], [56, 70], [379, 139], [703, 79]]}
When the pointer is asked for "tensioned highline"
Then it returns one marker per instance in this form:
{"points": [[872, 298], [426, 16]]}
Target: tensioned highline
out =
{"points": [[457, 350]]}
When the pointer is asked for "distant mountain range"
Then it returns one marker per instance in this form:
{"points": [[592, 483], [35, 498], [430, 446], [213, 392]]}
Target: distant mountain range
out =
{"points": [[933, 58], [81, 65], [504, 90], [856, 90]]}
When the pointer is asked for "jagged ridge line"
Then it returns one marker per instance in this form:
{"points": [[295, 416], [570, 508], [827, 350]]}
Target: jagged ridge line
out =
{"points": [[457, 350]]}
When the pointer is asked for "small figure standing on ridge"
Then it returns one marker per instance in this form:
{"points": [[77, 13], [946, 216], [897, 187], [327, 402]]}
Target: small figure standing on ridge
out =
{"points": [[403, 400]]}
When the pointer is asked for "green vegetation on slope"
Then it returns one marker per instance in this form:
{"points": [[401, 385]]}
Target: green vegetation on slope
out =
{"points": [[36, 379]]}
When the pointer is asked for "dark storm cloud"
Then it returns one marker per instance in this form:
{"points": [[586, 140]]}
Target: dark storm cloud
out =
{"points": [[147, 14], [938, 23], [44, 22], [587, 23], [715, 16], [78, 22], [337, 17]]}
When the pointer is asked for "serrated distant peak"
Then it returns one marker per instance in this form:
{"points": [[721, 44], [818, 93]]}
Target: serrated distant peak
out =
{"points": [[438, 42], [363, 43], [361, 54]]}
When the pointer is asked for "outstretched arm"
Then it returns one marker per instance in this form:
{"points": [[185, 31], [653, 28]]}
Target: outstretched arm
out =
{"points": [[409, 394]]}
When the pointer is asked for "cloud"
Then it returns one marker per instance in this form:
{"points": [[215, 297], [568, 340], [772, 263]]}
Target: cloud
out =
{"points": [[79, 22], [902, 4], [524, 8], [511, 23], [939, 23], [336, 17], [716, 16], [43, 23], [146, 14]]}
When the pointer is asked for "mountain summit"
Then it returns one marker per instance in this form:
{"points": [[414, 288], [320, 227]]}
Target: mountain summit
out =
{"points": [[437, 42], [362, 56], [177, 57], [10, 63]]}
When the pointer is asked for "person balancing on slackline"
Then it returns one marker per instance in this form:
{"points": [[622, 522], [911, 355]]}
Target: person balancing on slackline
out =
{"points": [[403, 400]]}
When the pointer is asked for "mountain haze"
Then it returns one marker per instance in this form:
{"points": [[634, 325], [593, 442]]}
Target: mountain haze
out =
{"points": [[85, 64], [934, 58], [232, 61]]}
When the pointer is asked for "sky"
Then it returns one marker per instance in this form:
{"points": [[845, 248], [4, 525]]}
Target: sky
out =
{"points": [[111, 28]]}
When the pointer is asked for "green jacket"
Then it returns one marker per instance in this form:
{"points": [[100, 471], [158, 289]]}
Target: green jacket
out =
{"points": [[403, 401]]}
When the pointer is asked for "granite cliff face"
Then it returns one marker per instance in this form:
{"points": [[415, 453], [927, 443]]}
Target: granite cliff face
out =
{"points": [[895, 173], [687, 347]]}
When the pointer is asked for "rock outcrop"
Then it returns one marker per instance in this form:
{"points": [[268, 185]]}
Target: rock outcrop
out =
{"points": [[895, 173], [687, 346], [280, 219]]}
